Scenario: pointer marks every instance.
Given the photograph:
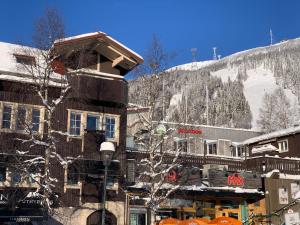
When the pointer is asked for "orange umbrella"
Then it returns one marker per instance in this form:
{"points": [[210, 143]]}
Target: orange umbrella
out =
{"points": [[193, 222], [203, 220], [223, 220], [169, 221]]}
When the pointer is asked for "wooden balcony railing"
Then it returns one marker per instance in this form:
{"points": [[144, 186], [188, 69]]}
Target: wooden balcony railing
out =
{"points": [[255, 164]]}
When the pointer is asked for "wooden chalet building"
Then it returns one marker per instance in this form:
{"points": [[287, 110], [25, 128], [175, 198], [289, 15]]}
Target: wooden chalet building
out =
{"points": [[93, 111], [277, 156]]}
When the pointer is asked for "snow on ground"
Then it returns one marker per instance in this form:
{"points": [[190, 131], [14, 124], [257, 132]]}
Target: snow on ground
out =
{"points": [[259, 82]]}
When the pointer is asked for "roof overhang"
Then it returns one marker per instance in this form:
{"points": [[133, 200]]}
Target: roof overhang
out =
{"points": [[118, 53]]}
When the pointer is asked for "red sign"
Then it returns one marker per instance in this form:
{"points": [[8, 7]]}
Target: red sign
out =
{"points": [[189, 131], [235, 180], [172, 176]]}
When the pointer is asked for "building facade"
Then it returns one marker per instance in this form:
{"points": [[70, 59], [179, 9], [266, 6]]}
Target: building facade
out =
{"points": [[219, 183], [93, 111]]}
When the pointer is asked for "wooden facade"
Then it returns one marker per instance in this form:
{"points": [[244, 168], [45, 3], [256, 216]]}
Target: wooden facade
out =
{"points": [[100, 91]]}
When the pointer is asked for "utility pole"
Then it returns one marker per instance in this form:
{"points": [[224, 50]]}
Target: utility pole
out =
{"points": [[215, 53], [206, 93], [271, 37]]}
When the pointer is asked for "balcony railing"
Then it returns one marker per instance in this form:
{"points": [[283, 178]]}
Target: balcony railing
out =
{"points": [[255, 164]]}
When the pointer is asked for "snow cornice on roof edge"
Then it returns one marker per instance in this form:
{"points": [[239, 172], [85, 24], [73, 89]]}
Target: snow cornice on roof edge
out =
{"points": [[105, 37], [275, 134]]}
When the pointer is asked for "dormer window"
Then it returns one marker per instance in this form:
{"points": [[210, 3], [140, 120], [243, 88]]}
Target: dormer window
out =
{"points": [[25, 59]]}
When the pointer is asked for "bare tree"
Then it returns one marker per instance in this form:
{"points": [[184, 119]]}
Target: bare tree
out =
{"points": [[276, 112], [157, 171], [47, 76]]}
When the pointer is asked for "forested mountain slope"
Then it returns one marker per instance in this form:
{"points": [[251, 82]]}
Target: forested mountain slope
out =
{"points": [[236, 86]]}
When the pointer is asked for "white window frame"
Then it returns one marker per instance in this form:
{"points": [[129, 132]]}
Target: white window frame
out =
{"points": [[14, 114], [281, 146], [69, 123], [102, 125]]}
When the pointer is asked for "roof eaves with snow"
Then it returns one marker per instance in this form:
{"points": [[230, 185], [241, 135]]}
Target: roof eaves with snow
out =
{"points": [[105, 37], [275, 134]]}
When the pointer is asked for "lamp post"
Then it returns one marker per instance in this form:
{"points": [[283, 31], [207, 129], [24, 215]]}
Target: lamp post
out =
{"points": [[107, 150]]}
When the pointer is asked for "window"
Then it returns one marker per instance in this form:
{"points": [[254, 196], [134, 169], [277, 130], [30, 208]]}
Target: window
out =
{"points": [[72, 175], [6, 117], [92, 122], [25, 59], [283, 146], [182, 145], [75, 123], [110, 123], [229, 204], [21, 118], [16, 177], [212, 148], [35, 120], [2, 174]]}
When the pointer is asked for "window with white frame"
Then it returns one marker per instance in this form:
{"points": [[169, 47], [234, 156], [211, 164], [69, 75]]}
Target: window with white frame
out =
{"points": [[6, 116], [110, 126], [283, 146], [75, 123], [212, 148], [180, 145], [20, 117]]}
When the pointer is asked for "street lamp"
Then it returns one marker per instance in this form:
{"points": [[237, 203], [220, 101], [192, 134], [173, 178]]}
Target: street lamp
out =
{"points": [[107, 150]]}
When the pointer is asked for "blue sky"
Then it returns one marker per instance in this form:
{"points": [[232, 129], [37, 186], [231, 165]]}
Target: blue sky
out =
{"points": [[230, 25]]}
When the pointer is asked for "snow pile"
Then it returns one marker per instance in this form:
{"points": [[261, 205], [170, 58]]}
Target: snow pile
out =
{"points": [[264, 148]]}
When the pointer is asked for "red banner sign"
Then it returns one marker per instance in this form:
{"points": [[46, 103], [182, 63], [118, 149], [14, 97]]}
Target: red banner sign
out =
{"points": [[235, 180], [188, 131]]}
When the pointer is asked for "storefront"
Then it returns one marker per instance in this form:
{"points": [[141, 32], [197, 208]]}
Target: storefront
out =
{"points": [[218, 193]]}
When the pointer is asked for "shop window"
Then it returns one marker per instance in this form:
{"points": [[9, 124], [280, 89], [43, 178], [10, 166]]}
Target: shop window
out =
{"points": [[137, 218], [212, 148], [16, 177], [2, 174], [209, 204], [6, 116], [110, 123], [21, 118], [75, 123], [72, 175], [283, 146], [229, 204], [233, 215], [92, 122], [35, 120]]}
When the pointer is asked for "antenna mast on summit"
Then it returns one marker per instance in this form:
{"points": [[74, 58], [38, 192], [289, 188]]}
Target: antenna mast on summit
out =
{"points": [[215, 53], [271, 37]]}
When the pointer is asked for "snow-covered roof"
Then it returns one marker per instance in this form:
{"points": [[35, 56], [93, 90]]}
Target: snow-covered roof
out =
{"points": [[275, 134], [100, 34], [264, 148], [282, 175], [7, 59]]}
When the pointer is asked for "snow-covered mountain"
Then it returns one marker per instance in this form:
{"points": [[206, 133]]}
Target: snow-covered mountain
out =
{"points": [[248, 74]]}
